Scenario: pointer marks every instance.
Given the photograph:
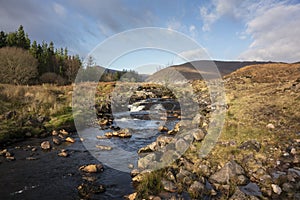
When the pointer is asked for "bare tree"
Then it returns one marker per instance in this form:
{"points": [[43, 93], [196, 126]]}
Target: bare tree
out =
{"points": [[17, 66]]}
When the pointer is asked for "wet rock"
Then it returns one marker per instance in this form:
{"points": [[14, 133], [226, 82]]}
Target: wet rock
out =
{"points": [[10, 158], [31, 158], [130, 166], [46, 145], [198, 134], [56, 141], [251, 189], [93, 168], [34, 149], [134, 172], [86, 190], [64, 132], [89, 178], [196, 189], [63, 153], [175, 130], [276, 189], [230, 170], [124, 133], [131, 196], [108, 134], [251, 144], [8, 154], [104, 147], [163, 140], [69, 139], [54, 133], [101, 137], [149, 148], [3, 152], [169, 186], [163, 129]]}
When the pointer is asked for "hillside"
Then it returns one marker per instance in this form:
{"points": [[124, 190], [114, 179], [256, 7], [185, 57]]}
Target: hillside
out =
{"points": [[257, 155], [190, 71]]}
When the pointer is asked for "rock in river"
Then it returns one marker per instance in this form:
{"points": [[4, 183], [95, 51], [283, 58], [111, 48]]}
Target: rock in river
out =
{"points": [[69, 139], [93, 168], [45, 145]]}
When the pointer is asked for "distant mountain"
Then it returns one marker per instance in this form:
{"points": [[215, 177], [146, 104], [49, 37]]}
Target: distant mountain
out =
{"points": [[190, 70]]}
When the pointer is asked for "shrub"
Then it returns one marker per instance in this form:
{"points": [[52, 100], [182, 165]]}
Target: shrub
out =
{"points": [[50, 77], [17, 66]]}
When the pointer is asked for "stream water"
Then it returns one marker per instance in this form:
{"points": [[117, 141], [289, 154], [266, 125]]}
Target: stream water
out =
{"points": [[52, 177]]}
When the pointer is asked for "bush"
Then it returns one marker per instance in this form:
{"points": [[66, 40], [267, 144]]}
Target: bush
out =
{"points": [[53, 78], [17, 66]]}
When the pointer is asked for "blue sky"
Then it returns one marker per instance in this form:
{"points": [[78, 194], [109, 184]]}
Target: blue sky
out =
{"points": [[227, 29]]}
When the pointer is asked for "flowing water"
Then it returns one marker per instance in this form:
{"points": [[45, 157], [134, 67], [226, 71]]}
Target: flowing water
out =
{"points": [[54, 177]]}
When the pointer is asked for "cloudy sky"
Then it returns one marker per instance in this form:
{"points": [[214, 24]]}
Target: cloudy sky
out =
{"points": [[227, 29]]}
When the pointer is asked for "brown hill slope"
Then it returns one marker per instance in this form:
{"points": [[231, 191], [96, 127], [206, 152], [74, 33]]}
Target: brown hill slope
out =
{"points": [[190, 71]]}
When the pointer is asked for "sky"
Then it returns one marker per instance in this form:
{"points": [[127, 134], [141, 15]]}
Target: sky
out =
{"points": [[258, 30]]}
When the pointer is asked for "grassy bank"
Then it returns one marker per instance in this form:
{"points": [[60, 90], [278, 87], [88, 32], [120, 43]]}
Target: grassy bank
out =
{"points": [[33, 110]]}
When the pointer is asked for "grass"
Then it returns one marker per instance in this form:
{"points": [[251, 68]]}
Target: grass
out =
{"points": [[150, 185], [30, 103]]}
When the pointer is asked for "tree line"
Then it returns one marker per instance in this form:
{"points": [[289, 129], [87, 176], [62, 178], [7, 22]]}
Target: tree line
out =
{"points": [[26, 62]]}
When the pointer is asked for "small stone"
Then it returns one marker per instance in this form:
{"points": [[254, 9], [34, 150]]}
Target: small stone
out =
{"points": [[3, 152], [93, 168], [54, 133], [293, 151], [270, 126], [31, 158], [130, 166], [286, 154], [163, 129], [64, 132], [69, 139], [33, 149], [8, 154], [63, 153], [56, 141], [104, 147], [198, 134], [131, 196], [134, 172], [108, 134], [196, 189], [168, 186], [10, 158], [45, 145], [276, 189]]}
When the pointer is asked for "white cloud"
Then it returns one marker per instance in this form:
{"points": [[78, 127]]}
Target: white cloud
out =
{"points": [[275, 35], [59, 9]]}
